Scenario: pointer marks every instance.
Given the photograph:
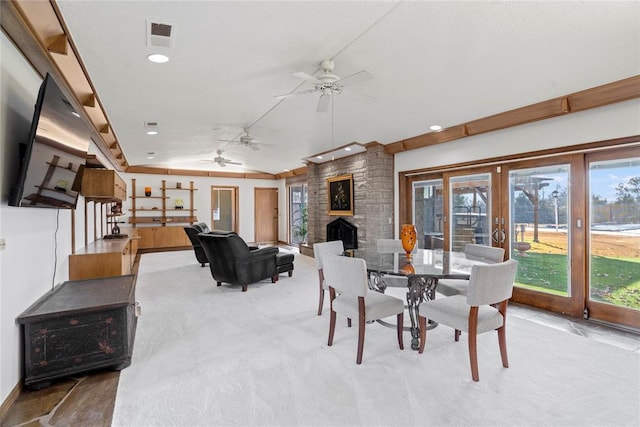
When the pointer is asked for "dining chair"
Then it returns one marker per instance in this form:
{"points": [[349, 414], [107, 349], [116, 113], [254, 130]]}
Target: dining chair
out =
{"points": [[483, 309], [385, 246], [335, 247], [349, 295], [449, 287]]}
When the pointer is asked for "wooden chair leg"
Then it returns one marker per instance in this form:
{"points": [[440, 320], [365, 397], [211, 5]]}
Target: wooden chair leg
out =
{"points": [[332, 326], [244, 288], [400, 320], [361, 328], [502, 340], [422, 325], [321, 279], [473, 342], [456, 335]]}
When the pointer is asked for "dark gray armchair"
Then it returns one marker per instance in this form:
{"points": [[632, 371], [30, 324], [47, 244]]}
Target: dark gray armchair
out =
{"points": [[232, 261], [192, 232]]}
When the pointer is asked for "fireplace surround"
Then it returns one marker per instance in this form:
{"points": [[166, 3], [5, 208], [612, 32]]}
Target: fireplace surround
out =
{"points": [[341, 229]]}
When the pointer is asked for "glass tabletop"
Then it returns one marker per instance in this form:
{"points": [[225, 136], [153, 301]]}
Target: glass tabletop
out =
{"points": [[424, 262]]}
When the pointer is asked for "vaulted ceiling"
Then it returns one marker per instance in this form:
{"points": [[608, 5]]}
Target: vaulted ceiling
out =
{"points": [[433, 63]]}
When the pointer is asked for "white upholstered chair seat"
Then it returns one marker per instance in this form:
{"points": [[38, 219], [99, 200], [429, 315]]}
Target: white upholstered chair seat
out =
{"points": [[376, 306], [454, 312]]}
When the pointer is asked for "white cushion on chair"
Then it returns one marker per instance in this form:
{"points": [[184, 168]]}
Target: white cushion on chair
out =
{"points": [[454, 312], [377, 306]]}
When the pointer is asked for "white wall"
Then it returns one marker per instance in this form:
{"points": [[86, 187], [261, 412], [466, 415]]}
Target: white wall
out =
{"points": [[599, 124], [202, 198], [35, 257]]}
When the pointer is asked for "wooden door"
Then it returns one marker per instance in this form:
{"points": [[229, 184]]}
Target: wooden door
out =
{"points": [[266, 215]]}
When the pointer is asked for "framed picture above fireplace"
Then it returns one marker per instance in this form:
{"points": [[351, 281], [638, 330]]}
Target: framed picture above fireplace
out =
{"points": [[340, 191]]}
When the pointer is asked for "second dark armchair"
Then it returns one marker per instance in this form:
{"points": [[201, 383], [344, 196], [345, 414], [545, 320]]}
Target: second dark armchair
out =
{"points": [[192, 232], [232, 261]]}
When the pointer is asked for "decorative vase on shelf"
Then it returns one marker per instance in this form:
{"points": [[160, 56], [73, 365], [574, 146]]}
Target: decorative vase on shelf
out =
{"points": [[147, 191], [408, 237]]}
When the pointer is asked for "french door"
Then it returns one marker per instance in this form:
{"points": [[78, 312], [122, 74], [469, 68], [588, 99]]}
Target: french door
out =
{"points": [[572, 222], [542, 211], [613, 237], [453, 209]]}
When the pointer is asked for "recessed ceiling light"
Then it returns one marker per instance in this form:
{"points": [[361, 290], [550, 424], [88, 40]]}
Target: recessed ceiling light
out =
{"points": [[158, 58], [347, 149], [286, 170], [75, 114], [319, 157], [435, 127], [151, 155], [152, 132]]}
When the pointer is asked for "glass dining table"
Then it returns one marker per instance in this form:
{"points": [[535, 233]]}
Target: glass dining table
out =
{"points": [[423, 270]]}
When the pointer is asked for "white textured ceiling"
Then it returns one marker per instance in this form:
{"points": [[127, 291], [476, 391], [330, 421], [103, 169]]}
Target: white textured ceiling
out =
{"points": [[433, 63]]}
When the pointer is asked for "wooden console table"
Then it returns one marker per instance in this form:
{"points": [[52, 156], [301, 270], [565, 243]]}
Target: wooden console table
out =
{"points": [[104, 258], [79, 326]]}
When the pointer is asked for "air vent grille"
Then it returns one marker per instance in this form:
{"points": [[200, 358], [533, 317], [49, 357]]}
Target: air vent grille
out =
{"points": [[159, 35]]}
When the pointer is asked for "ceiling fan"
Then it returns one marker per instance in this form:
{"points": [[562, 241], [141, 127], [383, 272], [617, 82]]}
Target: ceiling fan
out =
{"points": [[329, 84], [247, 140], [222, 161]]}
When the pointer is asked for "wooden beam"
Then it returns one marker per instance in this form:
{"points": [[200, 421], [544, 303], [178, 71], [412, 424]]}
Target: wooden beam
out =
{"points": [[621, 90], [519, 116]]}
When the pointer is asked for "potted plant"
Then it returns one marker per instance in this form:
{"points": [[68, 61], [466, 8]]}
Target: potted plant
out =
{"points": [[300, 231]]}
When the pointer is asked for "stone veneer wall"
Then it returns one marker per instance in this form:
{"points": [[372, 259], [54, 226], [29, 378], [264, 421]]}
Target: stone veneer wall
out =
{"points": [[372, 195]]}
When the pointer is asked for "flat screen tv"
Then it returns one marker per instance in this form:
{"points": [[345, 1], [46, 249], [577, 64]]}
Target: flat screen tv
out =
{"points": [[53, 158]]}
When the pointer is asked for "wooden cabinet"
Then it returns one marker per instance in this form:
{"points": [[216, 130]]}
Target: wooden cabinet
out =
{"points": [[79, 326], [153, 216], [162, 237], [103, 184], [103, 258]]}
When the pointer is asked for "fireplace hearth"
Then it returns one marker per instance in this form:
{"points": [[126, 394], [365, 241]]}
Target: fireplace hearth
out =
{"points": [[341, 229]]}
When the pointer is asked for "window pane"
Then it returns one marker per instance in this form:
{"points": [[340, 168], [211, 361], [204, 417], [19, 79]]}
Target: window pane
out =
{"points": [[539, 208], [427, 196], [470, 210], [298, 214], [614, 243]]}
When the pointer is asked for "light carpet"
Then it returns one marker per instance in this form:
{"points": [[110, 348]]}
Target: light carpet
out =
{"points": [[207, 355]]}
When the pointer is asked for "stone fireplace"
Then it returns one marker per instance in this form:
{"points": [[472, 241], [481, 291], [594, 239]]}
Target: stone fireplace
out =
{"points": [[372, 173]]}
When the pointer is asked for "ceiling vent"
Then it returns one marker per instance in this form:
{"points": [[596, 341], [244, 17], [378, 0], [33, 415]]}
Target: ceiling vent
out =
{"points": [[159, 35]]}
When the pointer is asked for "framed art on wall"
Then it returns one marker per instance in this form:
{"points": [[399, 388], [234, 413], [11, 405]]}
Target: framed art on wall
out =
{"points": [[340, 191]]}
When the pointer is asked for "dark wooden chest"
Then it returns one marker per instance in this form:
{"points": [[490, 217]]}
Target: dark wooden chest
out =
{"points": [[79, 326]]}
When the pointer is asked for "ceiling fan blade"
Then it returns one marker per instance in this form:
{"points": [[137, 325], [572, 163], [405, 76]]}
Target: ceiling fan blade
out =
{"points": [[254, 147], [307, 77], [323, 103], [358, 77], [289, 95], [362, 97], [229, 162]]}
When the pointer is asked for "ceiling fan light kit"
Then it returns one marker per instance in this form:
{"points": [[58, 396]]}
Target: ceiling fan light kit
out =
{"points": [[328, 84]]}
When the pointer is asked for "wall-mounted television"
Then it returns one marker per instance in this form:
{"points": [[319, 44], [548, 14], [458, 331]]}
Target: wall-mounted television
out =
{"points": [[53, 157]]}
